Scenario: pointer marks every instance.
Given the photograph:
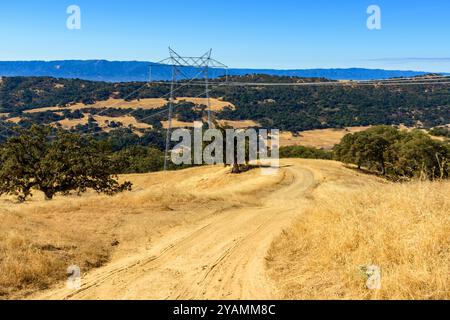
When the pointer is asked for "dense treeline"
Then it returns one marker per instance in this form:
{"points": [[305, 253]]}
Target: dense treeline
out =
{"points": [[440, 132], [304, 152], [284, 107], [138, 159], [305, 108], [396, 154], [264, 78]]}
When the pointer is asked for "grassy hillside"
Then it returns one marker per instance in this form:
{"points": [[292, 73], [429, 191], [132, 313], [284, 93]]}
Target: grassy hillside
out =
{"points": [[402, 228], [40, 239], [346, 220], [286, 108]]}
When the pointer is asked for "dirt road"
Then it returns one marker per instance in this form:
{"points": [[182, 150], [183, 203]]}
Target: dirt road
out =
{"points": [[220, 257]]}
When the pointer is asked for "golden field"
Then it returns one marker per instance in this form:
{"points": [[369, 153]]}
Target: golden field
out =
{"points": [[146, 104], [202, 233], [40, 239], [404, 229], [319, 138]]}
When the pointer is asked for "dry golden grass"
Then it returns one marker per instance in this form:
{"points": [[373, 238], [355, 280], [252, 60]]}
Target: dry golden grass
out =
{"points": [[216, 104], [402, 228], [239, 124], [149, 103], [103, 122], [40, 239], [320, 138], [177, 124], [351, 220], [15, 119], [327, 138]]}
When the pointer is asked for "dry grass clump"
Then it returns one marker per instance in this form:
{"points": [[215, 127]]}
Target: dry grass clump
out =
{"points": [[39, 243], [39, 240], [402, 228]]}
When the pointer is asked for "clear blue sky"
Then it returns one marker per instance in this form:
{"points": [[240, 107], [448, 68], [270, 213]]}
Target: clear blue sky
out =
{"points": [[243, 33]]}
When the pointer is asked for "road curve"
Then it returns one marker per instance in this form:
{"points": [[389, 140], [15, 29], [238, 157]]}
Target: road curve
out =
{"points": [[221, 257]]}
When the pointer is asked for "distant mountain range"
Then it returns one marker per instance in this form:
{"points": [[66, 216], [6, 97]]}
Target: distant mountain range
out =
{"points": [[126, 71]]}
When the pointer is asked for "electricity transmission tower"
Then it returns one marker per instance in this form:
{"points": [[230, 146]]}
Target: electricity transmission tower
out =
{"points": [[185, 70]]}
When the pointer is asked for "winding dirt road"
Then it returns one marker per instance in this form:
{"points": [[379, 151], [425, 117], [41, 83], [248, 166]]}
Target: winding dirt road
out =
{"points": [[220, 257]]}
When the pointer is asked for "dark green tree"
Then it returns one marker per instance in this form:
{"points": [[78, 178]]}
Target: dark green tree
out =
{"points": [[138, 159], [422, 157], [55, 164], [396, 153]]}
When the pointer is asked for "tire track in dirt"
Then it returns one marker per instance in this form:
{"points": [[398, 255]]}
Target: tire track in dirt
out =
{"points": [[221, 257]]}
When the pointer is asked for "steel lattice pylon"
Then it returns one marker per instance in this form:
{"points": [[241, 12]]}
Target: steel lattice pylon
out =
{"points": [[182, 68]]}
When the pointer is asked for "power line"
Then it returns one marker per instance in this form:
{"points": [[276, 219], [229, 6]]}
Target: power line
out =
{"points": [[390, 82], [134, 110], [178, 65]]}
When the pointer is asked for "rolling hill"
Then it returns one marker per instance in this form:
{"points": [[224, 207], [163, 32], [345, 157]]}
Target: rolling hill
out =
{"points": [[48, 100], [203, 233]]}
